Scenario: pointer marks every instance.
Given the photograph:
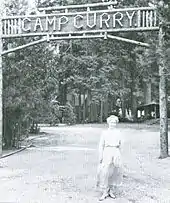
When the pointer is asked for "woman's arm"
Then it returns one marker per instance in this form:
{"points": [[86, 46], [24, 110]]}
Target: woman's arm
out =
{"points": [[101, 147]]}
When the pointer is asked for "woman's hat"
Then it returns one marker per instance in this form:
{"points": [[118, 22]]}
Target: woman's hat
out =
{"points": [[112, 118]]}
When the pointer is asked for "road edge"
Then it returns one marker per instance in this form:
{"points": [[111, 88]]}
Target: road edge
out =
{"points": [[21, 149]]}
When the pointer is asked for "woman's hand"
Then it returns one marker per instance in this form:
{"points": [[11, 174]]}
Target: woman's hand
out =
{"points": [[119, 145]]}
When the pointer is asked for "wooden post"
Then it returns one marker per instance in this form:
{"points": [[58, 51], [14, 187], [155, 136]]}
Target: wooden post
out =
{"points": [[84, 107], [1, 49], [163, 99], [155, 110], [101, 111]]}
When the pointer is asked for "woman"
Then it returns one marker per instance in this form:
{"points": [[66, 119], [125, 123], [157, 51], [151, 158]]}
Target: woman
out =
{"points": [[110, 164]]}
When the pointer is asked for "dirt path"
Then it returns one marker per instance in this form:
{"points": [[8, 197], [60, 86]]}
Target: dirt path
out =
{"points": [[62, 169]]}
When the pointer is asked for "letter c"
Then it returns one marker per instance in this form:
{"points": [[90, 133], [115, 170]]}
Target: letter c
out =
{"points": [[75, 21], [24, 22]]}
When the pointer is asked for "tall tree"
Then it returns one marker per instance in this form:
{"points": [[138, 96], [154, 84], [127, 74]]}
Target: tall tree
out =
{"points": [[164, 8]]}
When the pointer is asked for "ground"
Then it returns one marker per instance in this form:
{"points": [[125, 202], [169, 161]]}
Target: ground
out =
{"points": [[61, 168]]}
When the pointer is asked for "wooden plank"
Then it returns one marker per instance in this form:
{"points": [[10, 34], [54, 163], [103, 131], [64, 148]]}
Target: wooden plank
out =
{"points": [[83, 12], [77, 37], [143, 18], [129, 41], [93, 5], [139, 18], [151, 18], [81, 32], [79, 6]]}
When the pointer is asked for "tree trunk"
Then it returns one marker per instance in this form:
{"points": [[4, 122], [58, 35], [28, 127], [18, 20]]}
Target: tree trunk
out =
{"points": [[60, 92], [148, 92], [79, 113], [94, 109], [133, 91], [123, 106], [64, 94], [88, 106], [92, 113], [1, 76], [133, 101], [101, 111], [84, 107], [105, 108], [163, 101]]}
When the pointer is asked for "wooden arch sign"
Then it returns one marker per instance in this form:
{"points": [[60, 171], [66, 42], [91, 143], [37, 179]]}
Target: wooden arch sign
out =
{"points": [[86, 22]]}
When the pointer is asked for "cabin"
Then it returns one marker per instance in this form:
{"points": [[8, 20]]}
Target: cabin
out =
{"points": [[148, 111]]}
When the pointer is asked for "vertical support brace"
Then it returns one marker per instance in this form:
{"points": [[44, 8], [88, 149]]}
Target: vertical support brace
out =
{"points": [[1, 87]]}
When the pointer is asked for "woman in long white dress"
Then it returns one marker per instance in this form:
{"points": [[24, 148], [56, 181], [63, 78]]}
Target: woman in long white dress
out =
{"points": [[110, 162]]}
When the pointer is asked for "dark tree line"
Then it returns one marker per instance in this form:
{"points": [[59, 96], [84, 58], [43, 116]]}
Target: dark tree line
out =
{"points": [[77, 81]]}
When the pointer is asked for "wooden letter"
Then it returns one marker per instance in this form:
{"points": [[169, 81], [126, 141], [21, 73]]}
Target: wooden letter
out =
{"points": [[38, 24], [94, 20], [50, 22], [102, 20], [118, 20], [130, 17], [62, 21], [24, 22], [80, 17]]}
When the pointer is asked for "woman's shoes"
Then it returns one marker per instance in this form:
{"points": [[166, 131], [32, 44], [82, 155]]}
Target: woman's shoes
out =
{"points": [[111, 194], [104, 196]]}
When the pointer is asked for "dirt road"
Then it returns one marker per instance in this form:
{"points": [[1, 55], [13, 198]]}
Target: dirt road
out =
{"points": [[61, 168]]}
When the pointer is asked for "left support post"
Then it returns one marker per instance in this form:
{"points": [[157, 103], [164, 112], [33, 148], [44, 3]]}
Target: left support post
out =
{"points": [[1, 86]]}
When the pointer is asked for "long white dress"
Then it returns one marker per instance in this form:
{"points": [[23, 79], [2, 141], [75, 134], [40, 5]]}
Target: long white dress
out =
{"points": [[110, 167]]}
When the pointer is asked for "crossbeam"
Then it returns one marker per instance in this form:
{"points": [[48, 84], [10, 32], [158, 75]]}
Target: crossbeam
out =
{"points": [[72, 37], [127, 40], [83, 32], [53, 38], [110, 3], [23, 46], [78, 37]]}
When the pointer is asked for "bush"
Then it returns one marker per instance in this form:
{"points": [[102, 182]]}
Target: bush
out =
{"points": [[68, 115], [15, 126]]}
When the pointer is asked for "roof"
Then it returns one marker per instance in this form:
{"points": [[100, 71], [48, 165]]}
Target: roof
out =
{"points": [[149, 104]]}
